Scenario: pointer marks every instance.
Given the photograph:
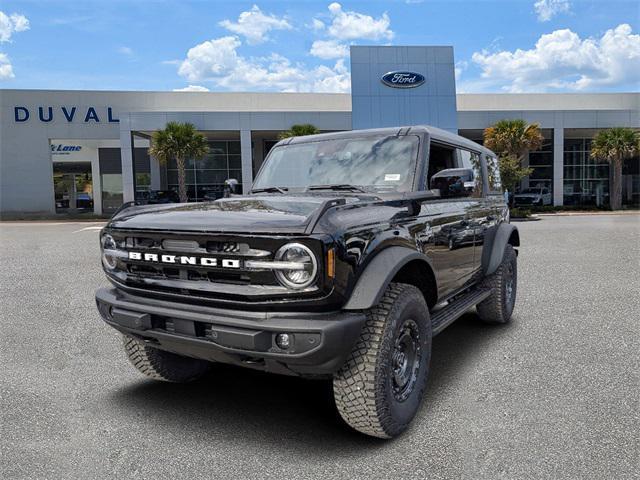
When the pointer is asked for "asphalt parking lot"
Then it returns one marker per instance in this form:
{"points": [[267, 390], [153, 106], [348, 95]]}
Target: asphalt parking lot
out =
{"points": [[553, 395]]}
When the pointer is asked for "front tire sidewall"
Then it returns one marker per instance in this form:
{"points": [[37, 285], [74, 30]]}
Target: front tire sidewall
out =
{"points": [[402, 412], [364, 386]]}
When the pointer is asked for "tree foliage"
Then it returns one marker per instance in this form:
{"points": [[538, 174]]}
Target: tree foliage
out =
{"points": [[512, 140], [515, 138], [615, 146], [512, 172], [299, 130], [179, 142]]}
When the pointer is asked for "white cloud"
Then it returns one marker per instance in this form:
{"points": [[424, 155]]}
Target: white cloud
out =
{"points": [[218, 61], [128, 51], [10, 24], [254, 25], [317, 25], [348, 25], [561, 60], [547, 9], [6, 70], [192, 88], [213, 58], [327, 49]]}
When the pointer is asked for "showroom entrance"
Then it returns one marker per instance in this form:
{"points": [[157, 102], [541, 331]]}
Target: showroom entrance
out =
{"points": [[73, 187]]}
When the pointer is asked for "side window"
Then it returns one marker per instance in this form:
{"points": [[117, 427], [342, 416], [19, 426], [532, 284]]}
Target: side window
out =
{"points": [[493, 172], [470, 163]]}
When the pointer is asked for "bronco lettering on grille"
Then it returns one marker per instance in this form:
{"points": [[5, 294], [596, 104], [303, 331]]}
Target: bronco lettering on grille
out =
{"points": [[184, 260]]}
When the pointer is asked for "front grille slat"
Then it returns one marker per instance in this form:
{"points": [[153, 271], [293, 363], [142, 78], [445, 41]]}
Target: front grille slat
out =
{"points": [[183, 275]]}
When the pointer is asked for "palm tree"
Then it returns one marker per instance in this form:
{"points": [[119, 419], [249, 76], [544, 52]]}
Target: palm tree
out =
{"points": [[299, 131], [512, 140], [178, 141], [616, 145]]}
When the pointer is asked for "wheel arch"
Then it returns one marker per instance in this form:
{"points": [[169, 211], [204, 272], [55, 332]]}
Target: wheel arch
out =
{"points": [[495, 243], [393, 264]]}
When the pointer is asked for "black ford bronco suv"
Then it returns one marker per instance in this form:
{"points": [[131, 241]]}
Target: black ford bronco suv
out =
{"points": [[350, 252]]}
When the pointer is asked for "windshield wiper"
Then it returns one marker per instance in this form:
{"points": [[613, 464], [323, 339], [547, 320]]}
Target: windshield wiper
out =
{"points": [[270, 190], [337, 186]]}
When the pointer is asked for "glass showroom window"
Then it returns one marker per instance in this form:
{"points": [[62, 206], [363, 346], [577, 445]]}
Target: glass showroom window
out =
{"points": [[541, 161], [586, 181], [205, 177]]}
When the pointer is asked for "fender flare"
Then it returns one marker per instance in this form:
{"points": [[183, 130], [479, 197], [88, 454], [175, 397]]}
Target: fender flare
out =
{"points": [[377, 276], [494, 245]]}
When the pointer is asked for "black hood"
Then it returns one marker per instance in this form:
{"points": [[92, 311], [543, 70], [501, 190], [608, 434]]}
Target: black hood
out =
{"points": [[242, 214]]}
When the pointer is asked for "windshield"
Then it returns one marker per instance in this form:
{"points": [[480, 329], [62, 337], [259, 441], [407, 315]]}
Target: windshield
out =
{"points": [[386, 163], [535, 191]]}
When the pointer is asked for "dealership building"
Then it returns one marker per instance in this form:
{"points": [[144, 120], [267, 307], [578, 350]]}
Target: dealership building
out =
{"points": [[79, 151]]}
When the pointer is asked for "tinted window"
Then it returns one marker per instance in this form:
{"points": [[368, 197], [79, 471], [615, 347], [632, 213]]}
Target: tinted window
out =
{"points": [[382, 163], [493, 172], [471, 161]]}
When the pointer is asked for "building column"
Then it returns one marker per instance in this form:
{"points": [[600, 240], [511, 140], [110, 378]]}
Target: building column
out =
{"points": [[558, 166], [126, 156], [247, 160], [156, 179], [96, 182]]}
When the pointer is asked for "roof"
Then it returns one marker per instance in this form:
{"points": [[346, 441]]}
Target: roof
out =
{"points": [[434, 133]]}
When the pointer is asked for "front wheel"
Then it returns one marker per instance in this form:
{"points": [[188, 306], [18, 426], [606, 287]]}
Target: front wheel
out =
{"points": [[162, 365], [498, 307], [379, 388]]}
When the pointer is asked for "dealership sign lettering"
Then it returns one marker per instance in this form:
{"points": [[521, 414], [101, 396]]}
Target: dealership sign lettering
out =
{"points": [[60, 149], [65, 113], [403, 79]]}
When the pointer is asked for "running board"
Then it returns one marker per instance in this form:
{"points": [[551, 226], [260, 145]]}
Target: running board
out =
{"points": [[446, 315]]}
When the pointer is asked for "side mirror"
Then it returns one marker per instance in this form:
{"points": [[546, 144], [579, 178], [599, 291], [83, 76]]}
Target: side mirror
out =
{"points": [[230, 187], [454, 182]]}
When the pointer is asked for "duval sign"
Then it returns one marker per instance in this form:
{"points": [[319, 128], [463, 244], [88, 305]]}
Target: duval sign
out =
{"points": [[47, 114], [402, 79]]}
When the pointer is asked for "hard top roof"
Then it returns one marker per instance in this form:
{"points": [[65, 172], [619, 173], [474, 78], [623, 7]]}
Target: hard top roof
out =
{"points": [[434, 133]]}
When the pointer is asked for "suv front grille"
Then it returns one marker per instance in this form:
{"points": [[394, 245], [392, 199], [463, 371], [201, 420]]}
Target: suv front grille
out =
{"points": [[197, 265]]}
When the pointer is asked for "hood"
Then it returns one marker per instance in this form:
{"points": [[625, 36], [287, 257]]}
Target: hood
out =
{"points": [[259, 214]]}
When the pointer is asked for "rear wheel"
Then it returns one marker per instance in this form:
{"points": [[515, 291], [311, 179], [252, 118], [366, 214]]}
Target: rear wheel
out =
{"points": [[162, 365], [379, 389], [498, 307]]}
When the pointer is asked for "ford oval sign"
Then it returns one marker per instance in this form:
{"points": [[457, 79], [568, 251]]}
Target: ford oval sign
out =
{"points": [[403, 79]]}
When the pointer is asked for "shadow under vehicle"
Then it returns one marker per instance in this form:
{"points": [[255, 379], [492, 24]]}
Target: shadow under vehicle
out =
{"points": [[338, 264]]}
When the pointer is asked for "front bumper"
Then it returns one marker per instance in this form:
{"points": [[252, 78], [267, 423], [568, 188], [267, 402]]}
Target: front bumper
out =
{"points": [[320, 341]]}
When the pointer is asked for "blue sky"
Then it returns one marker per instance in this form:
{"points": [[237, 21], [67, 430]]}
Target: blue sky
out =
{"points": [[500, 46]]}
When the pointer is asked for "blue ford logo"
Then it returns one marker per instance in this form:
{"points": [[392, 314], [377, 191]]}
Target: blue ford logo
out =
{"points": [[403, 79]]}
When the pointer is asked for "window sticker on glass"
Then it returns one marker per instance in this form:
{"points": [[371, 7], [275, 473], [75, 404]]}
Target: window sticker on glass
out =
{"points": [[392, 177]]}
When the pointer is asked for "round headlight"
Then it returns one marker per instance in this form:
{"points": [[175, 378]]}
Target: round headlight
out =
{"points": [[108, 243], [305, 273], [108, 259]]}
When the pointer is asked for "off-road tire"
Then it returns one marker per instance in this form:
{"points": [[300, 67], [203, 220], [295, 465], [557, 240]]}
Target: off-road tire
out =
{"points": [[364, 387], [498, 307], [162, 365]]}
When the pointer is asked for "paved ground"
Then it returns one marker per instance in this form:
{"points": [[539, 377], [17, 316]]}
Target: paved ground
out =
{"points": [[554, 395]]}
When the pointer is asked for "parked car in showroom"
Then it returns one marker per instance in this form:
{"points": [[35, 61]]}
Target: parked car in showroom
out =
{"points": [[336, 265], [537, 196]]}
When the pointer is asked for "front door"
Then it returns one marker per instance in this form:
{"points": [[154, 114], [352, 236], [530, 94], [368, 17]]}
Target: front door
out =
{"points": [[452, 248]]}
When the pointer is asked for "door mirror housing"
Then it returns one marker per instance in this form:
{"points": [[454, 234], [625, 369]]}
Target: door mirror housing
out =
{"points": [[230, 187], [454, 182]]}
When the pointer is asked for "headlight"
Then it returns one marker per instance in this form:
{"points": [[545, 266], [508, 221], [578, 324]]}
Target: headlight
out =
{"points": [[108, 250], [304, 261]]}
